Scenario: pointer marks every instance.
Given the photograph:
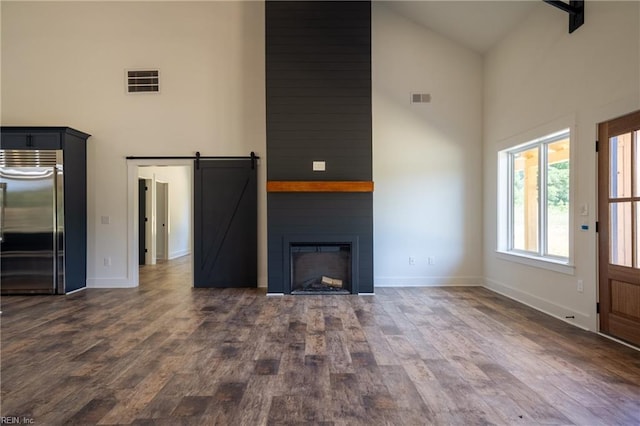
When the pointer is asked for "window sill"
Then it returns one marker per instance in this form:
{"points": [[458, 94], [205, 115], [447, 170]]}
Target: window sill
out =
{"points": [[537, 262]]}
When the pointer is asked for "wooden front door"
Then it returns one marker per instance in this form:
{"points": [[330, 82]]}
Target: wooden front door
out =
{"points": [[619, 227], [225, 224]]}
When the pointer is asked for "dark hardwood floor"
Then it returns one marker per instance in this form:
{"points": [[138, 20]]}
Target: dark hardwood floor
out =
{"points": [[168, 354]]}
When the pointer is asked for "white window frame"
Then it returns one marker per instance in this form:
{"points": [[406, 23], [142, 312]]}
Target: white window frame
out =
{"points": [[505, 215]]}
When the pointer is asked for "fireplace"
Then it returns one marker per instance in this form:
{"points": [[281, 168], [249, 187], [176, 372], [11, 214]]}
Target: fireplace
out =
{"points": [[320, 268], [322, 265]]}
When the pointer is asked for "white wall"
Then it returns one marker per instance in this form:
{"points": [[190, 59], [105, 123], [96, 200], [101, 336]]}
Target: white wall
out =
{"points": [[180, 201], [540, 77], [427, 157], [63, 63]]}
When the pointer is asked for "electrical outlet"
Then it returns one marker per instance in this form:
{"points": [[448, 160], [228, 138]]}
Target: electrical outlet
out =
{"points": [[580, 286], [431, 260], [319, 166], [412, 260], [107, 261]]}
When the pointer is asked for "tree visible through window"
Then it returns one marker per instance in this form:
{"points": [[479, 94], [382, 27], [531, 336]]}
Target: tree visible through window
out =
{"points": [[539, 183]]}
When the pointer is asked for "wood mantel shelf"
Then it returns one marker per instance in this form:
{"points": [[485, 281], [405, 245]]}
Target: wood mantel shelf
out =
{"points": [[319, 186]]}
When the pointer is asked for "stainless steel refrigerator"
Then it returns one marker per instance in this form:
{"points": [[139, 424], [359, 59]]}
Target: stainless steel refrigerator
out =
{"points": [[31, 222]]}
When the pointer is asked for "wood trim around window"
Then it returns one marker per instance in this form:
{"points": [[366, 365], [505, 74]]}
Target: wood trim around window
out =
{"points": [[319, 186]]}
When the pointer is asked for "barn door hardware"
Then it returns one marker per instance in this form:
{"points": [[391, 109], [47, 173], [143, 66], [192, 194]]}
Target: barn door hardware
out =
{"points": [[575, 9], [253, 157]]}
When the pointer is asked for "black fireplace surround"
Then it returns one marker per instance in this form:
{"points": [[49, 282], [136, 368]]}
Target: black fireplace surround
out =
{"points": [[319, 218], [318, 108]]}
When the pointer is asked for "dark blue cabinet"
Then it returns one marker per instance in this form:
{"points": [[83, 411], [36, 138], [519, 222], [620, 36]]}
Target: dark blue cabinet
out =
{"points": [[72, 144]]}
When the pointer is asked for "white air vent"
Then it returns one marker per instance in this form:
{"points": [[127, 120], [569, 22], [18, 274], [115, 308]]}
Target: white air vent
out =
{"points": [[143, 81], [420, 98]]}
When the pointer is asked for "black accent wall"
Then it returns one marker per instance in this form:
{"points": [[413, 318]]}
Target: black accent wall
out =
{"points": [[318, 86], [318, 76]]}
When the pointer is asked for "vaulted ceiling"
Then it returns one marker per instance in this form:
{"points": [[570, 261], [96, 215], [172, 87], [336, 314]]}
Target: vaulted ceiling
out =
{"points": [[476, 24]]}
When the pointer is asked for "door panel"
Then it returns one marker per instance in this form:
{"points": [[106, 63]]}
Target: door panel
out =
{"points": [[161, 221], [619, 217], [225, 224], [142, 219]]}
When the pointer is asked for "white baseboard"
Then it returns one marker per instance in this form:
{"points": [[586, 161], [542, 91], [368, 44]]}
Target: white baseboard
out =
{"points": [[580, 320], [179, 253], [109, 283], [427, 281]]}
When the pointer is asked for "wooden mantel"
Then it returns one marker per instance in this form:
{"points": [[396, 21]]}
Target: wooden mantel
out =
{"points": [[319, 186]]}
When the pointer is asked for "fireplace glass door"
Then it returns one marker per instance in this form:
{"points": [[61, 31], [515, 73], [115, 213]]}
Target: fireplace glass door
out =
{"points": [[320, 268]]}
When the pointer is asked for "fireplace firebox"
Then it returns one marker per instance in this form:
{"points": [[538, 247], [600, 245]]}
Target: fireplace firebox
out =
{"points": [[323, 266]]}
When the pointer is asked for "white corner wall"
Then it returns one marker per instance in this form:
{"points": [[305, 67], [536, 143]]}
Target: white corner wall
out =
{"points": [[63, 64], [427, 157], [538, 76]]}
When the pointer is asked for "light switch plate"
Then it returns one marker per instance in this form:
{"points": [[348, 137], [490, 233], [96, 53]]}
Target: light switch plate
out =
{"points": [[319, 166]]}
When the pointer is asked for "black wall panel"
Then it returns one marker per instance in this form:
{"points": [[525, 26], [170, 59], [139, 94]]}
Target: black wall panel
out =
{"points": [[318, 77], [318, 84]]}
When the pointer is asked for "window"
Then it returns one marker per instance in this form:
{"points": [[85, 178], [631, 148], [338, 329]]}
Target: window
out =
{"points": [[537, 207]]}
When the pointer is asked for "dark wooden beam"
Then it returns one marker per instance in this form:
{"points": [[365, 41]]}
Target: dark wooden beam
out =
{"points": [[575, 9]]}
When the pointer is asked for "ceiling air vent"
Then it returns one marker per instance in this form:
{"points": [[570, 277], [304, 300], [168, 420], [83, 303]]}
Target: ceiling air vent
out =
{"points": [[420, 98], [143, 81]]}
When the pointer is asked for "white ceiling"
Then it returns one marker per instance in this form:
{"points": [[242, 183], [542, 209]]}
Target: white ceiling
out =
{"points": [[476, 24]]}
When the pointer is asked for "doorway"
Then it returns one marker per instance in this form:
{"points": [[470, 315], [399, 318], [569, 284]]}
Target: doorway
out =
{"points": [[619, 227], [165, 213]]}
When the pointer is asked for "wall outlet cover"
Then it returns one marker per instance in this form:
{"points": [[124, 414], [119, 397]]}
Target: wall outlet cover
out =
{"points": [[319, 166]]}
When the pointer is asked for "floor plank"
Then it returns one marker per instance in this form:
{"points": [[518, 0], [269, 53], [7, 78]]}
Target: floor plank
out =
{"points": [[169, 354]]}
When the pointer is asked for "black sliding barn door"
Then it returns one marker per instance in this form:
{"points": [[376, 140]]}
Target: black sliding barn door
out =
{"points": [[225, 224]]}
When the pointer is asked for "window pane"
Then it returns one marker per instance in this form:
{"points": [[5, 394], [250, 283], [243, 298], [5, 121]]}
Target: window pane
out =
{"points": [[620, 236], [558, 198], [620, 166], [525, 200]]}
